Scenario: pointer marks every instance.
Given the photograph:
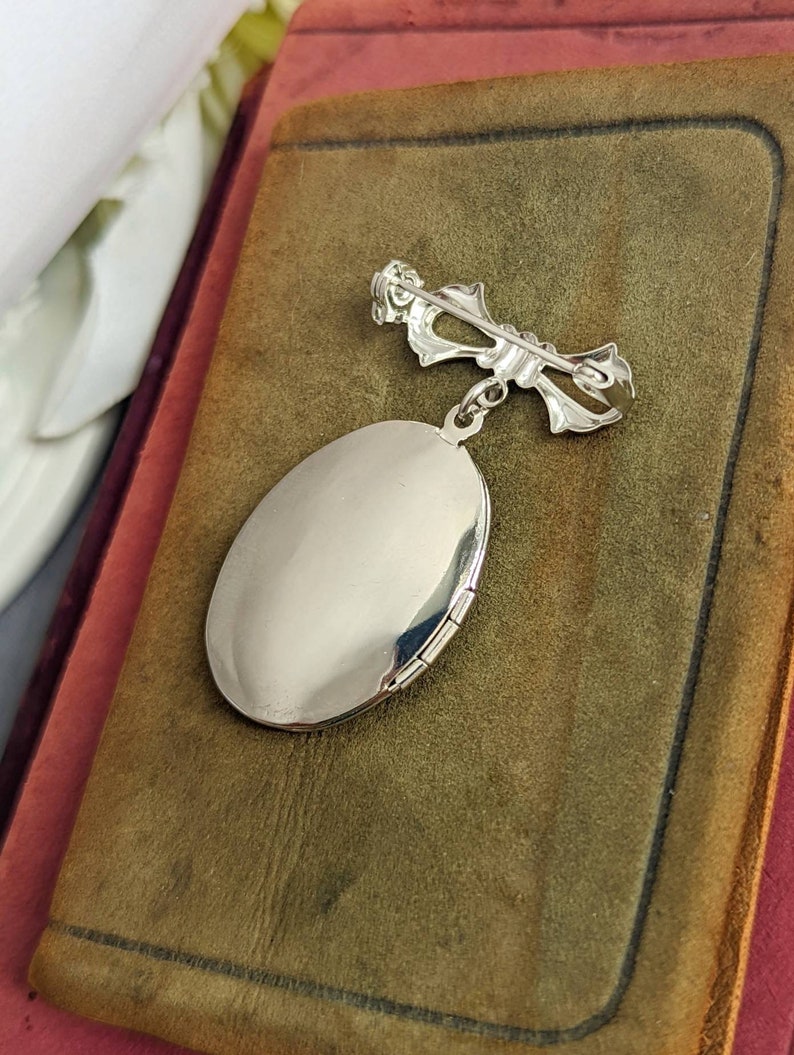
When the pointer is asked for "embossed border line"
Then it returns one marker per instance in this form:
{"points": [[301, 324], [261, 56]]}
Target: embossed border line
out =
{"points": [[462, 1023]]}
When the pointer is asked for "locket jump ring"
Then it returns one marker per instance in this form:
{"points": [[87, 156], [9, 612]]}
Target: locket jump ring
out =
{"points": [[485, 395]]}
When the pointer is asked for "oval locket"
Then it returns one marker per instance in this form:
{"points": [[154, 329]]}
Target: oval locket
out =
{"points": [[349, 577]]}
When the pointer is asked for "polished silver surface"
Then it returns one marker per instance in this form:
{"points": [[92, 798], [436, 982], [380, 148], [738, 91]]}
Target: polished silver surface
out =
{"points": [[399, 296], [350, 576]]}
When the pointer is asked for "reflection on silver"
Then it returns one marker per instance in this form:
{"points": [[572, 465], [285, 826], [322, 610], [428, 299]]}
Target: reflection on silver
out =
{"points": [[399, 296], [350, 576]]}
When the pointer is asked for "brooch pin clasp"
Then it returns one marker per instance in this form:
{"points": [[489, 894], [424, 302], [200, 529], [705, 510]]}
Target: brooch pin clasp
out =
{"points": [[399, 296]]}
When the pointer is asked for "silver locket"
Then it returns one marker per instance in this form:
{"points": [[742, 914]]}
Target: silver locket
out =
{"points": [[357, 569]]}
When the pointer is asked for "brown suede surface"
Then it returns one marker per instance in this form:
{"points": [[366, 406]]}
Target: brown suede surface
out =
{"points": [[550, 839]]}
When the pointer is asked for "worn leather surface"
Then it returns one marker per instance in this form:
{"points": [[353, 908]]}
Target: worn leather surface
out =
{"points": [[540, 842]]}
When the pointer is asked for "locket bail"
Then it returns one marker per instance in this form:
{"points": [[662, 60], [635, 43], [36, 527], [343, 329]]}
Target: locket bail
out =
{"points": [[467, 417]]}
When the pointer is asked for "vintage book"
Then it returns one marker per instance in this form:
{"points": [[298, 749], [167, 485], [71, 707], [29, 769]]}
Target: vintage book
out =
{"points": [[553, 838]]}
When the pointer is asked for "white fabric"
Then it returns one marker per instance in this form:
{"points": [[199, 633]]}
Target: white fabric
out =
{"points": [[81, 84], [85, 94], [41, 482], [131, 263]]}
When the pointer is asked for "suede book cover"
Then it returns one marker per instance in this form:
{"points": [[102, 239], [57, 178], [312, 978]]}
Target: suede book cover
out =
{"points": [[552, 839]]}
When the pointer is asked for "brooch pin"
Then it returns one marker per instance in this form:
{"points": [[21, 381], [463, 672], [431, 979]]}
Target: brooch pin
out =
{"points": [[357, 569]]}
